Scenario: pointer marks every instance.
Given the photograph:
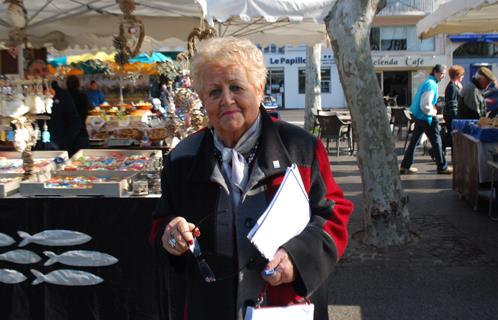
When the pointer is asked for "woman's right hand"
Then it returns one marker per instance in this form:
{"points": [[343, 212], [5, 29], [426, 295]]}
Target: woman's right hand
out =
{"points": [[178, 236]]}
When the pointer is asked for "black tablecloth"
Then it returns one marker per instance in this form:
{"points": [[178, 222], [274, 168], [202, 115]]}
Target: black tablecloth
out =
{"points": [[119, 227]]}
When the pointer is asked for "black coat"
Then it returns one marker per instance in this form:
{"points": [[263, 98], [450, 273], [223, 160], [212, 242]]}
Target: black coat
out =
{"points": [[82, 105], [64, 124], [193, 187], [451, 97]]}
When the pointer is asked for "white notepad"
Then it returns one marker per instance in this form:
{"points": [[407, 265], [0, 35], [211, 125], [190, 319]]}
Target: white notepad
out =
{"points": [[286, 216]]}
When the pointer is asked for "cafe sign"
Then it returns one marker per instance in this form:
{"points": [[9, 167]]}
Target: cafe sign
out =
{"points": [[406, 61]]}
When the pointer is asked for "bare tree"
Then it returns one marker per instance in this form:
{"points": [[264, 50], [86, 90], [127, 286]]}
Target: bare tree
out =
{"points": [[313, 99], [386, 216]]}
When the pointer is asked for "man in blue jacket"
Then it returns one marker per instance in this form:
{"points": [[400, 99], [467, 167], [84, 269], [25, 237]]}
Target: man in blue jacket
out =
{"points": [[424, 114], [95, 96]]}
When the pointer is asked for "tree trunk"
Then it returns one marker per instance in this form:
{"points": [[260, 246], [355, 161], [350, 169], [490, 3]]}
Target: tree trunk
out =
{"points": [[386, 216], [313, 99]]}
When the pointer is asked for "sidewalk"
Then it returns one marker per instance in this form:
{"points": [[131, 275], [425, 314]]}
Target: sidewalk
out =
{"points": [[449, 270]]}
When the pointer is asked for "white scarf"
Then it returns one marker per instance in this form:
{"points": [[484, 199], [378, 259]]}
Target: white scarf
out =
{"points": [[234, 164]]}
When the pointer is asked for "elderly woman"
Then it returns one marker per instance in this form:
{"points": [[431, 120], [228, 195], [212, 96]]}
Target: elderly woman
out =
{"points": [[218, 182]]}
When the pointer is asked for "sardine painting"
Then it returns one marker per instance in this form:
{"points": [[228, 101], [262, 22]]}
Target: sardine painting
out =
{"points": [[10, 276], [20, 256], [54, 238], [81, 258], [6, 240], [67, 277]]}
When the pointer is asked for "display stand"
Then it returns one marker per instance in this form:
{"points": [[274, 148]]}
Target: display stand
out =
{"points": [[27, 122]]}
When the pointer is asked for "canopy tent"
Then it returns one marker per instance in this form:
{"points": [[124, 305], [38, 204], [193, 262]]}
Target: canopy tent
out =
{"points": [[265, 22], [459, 16], [91, 24], [153, 58], [67, 60], [102, 62]]}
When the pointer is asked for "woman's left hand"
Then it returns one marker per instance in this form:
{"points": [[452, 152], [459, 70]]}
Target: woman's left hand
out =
{"points": [[284, 269]]}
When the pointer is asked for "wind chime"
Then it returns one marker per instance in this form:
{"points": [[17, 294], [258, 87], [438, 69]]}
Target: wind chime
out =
{"points": [[23, 100], [22, 103], [17, 18], [131, 33], [129, 40]]}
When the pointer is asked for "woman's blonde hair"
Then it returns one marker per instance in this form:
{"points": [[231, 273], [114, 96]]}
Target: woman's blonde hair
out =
{"points": [[228, 51]]}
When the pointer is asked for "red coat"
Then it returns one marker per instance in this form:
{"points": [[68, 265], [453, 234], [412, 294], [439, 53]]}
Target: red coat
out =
{"points": [[194, 188]]}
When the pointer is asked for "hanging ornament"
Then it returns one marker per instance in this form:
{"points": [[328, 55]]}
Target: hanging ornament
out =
{"points": [[16, 13], [197, 35], [131, 33], [17, 18], [45, 134], [127, 6]]}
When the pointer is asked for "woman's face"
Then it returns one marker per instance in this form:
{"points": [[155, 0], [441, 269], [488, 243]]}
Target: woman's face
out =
{"points": [[231, 100]]}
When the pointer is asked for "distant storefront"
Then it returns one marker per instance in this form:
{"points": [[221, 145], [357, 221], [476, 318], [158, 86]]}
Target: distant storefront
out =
{"points": [[399, 76]]}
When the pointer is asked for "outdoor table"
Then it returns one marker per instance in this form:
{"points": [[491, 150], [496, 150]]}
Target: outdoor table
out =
{"points": [[470, 166], [494, 166], [117, 226]]}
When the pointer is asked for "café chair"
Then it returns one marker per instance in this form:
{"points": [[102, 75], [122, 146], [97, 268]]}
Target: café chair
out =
{"points": [[316, 113], [410, 128], [400, 119], [333, 128]]}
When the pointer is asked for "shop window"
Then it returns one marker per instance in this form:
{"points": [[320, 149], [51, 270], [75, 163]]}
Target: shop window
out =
{"points": [[325, 84], [325, 80], [398, 39], [270, 49], [476, 50]]}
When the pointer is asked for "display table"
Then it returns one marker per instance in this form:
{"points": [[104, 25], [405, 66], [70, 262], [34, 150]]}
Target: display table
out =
{"points": [[117, 226], [470, 167]]}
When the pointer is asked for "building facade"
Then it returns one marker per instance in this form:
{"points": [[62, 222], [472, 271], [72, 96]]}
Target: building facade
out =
{"points": [[401, 61]]}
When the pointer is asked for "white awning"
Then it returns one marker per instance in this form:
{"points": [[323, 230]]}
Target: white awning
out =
{"points": [[460, 16], [91, 24]]}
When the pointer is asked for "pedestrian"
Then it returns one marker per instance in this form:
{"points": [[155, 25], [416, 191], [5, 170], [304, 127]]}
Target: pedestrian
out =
{"points": [[452, 95], [82, 106], [491, 99], [218, 181], [424, 114], [472, 105]]}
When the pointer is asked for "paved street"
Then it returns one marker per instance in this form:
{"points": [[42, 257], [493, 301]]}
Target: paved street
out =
{"points": [[449, 270]]}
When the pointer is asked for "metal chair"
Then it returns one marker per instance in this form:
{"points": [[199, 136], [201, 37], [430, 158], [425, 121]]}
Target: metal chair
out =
{"points": [[317, 113], [399, 119], [411, 126], [333, 128]]}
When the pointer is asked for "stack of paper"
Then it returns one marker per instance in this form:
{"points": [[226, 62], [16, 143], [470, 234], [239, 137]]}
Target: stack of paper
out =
{"points": [[286, 216]]}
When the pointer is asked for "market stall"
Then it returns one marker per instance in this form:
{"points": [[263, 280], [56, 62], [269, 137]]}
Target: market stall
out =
{"points": [[116, 227], [73, 238], [473, 147], [124, 284]]}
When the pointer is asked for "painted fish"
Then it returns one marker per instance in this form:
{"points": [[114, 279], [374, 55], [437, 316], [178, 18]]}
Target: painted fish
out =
{"points": [[20, 256], [54, 238], [10, 276], [67, 277], [6, 240], [81, 258]]}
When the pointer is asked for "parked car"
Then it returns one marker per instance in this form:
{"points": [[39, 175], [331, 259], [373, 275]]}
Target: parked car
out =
{"points": [[269, 102], [270, 105]]}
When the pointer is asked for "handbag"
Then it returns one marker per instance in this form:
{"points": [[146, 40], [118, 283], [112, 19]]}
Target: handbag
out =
{"points": [[300, 311]]}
